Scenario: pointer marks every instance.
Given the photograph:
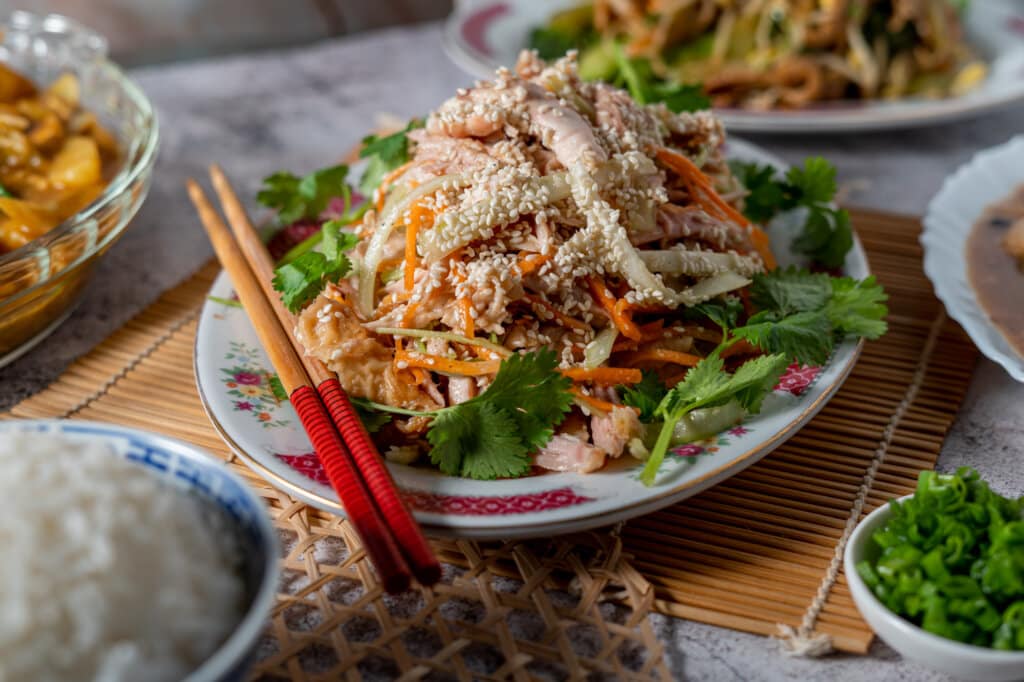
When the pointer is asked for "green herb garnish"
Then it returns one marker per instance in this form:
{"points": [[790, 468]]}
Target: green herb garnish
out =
{"points": [[385, 154], [492, 435], [801, 317], [952, 561], [302, 279], [304, 198], [826, 236]]}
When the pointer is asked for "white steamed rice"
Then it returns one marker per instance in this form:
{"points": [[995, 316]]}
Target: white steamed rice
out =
{"points": [[106, 573]]}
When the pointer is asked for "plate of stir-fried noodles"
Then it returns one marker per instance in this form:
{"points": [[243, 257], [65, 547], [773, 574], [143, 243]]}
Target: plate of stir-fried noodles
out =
{"points": [[767, 66]]}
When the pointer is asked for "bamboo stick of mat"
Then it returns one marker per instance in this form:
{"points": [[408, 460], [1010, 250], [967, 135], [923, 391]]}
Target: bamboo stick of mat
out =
{"points": [[340, 469], [411, 541]]}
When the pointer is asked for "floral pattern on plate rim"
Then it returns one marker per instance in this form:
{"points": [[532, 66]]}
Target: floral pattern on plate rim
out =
{"points": [[254, 382], [253, 389], [309, 466]]}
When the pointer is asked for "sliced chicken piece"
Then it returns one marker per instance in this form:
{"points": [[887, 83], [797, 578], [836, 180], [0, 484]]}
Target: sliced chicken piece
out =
{"points": [[613, 430], [691, 222], [331, 331], [562, 129], [569, 453], [461, 389]]}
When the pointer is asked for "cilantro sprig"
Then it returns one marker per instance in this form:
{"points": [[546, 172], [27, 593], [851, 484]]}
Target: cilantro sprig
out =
{"points": [[801, 316], [301, 280], [951, 560], [492, 435], [385, 154], [708, 384], [304, 198], [826, 236]]}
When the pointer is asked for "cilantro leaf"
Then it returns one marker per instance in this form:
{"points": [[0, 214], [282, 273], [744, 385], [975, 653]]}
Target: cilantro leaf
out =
{"points": [[814, 183], [493, 434], [645, 396], [802, 313], [301, 280], [533, 393], [303, 198], [701, 386], [707, 384], [385, 154], [827, 236], [477, 440], [765, 195], [724, 311], [806, 337], [858, 307], [792, 290]]}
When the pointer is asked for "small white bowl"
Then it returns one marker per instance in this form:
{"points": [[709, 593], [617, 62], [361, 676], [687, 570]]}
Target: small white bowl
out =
{"points": [[964, 661]]}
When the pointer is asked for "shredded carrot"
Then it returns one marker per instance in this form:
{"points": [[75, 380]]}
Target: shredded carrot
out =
{"points": [[606, 376], [437, 363], [741, 347], [617, 309], [468, 326], [714, 204], [530, 261], [558, 314], [386, 181], [664, 355], [407, 316], [592, 402]]}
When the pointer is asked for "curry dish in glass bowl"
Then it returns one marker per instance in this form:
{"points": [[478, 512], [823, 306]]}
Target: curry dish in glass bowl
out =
{"points": [[77, 145]]}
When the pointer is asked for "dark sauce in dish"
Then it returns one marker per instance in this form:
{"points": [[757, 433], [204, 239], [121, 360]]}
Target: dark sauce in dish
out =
{"points": [[997, 278]]}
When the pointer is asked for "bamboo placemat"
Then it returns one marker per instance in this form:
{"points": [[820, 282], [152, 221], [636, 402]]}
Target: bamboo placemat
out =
{"points": [[755, 553]]}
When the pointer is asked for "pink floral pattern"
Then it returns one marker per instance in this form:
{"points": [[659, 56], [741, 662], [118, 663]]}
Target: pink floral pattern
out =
{"points": [[253, 390], [797, 379], [545, 500], [309, 466]]}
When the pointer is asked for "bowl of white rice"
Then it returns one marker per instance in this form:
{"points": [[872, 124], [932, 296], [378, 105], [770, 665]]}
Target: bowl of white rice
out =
{"points": [[127, 556]]}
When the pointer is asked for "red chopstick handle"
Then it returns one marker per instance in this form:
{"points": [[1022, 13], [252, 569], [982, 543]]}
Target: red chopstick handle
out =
{"points": [[421, 557], [345, 479]]}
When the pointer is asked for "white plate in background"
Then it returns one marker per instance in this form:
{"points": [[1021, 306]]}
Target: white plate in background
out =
{"points": [[481, 35], [989, 177]]}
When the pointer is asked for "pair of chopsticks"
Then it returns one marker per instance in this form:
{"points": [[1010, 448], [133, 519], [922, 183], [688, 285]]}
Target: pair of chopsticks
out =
{"points": [[392, 538]]}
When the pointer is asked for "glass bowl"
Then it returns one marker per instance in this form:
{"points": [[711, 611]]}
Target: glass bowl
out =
{"points": [[41, 282]]}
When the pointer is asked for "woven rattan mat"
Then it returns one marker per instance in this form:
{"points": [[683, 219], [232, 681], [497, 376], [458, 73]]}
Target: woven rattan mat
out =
{"points": [[758, 551]]}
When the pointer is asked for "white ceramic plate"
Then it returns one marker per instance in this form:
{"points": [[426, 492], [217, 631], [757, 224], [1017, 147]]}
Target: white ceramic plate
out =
{"points": [[481, 35], [232, 372], [988, 177]]}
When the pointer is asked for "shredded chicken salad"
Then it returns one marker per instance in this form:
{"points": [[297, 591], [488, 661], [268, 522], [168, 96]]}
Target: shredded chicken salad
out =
{"points": [[545, 275]]}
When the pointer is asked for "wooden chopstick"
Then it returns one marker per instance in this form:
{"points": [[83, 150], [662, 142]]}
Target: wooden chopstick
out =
{"points": [[408, 534], [341, 470]]}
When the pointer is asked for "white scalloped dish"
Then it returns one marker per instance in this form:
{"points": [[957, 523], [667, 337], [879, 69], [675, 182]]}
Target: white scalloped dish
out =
{"points": [[988, 178]]}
